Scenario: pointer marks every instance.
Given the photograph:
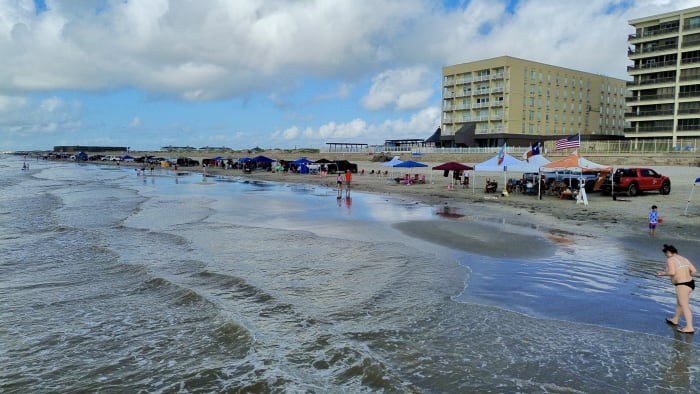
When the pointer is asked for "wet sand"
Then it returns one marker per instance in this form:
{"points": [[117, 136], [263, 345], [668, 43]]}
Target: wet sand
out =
{"points": [[626, 216], [557, 220]]}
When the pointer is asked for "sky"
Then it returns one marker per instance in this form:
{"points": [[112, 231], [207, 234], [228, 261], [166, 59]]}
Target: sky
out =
{"points": [[273, 74]]}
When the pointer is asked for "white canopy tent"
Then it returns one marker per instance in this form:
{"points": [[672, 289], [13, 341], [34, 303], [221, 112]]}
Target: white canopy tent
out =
{"points": [[492, 165], [392, 163], [532, 165]]}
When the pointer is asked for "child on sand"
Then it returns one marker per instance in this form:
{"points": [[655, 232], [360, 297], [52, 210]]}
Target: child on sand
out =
{"points": [[653, 220]]}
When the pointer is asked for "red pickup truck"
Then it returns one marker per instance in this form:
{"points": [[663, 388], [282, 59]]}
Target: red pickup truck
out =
{"points": [[635, 180]]}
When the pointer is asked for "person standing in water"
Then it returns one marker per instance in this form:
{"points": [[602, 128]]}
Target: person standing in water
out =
{"points": [[348, 179], [339, 183], [681, 271]]}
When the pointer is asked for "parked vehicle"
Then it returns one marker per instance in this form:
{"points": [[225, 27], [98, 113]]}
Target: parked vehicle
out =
{"points": [[187, 162], [636, 180], [80, 156]]}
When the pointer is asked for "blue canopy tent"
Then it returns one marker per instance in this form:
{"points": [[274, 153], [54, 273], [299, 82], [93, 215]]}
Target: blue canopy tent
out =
{"points": [[301, 164], [410, 164], [262, 159], [302, 160]]}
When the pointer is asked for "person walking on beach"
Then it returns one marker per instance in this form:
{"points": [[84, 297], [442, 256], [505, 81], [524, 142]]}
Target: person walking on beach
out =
{"points": [[681, 271], [653, 220]]}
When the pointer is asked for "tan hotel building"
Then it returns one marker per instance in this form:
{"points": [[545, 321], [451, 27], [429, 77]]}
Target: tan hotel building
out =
{"points": [[506, 99], [664, 101]]}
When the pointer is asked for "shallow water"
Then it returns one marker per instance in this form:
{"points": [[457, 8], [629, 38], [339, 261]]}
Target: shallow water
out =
{"points": [[113, 282]]}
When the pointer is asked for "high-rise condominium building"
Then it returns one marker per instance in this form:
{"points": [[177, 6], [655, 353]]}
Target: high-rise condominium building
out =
{"points": [[664, 100], [506, 99]]}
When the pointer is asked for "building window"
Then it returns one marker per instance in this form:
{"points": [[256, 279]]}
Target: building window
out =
{"points": [[694, 22]]}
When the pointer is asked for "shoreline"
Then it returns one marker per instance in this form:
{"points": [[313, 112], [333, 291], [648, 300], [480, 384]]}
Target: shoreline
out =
{"points": [[624, 218]]}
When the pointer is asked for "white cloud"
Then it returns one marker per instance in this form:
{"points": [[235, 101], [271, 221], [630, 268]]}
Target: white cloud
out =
{"points": [[402, 89], [135, 122], [420, 125], [213, 50], [208, 50], [51, 104]]}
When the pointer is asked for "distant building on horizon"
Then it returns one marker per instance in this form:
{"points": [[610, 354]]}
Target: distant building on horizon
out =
{"points": [[93, 149], [508, 100], [664, 100]]}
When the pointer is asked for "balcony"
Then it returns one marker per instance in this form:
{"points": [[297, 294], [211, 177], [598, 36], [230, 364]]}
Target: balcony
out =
{"points": [[664, 112], [649, 129], [689, 94], [498, 89], [657, 48], [651, 65], [659, 32], [480, 105], [651, 81], [649, 97], [691, 60], [690, 43], [688, 27]]}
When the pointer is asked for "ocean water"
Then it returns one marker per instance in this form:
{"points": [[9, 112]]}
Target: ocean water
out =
{"points": [[113, 282]]}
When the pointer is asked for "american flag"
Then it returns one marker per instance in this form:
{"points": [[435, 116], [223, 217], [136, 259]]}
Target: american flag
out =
{"points": [[568, 142]]}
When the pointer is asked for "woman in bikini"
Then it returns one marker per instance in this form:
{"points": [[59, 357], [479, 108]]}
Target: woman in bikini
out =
{"points": [[681, 271]]}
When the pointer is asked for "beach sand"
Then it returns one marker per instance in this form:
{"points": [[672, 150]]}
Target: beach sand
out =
{"points": [[559, 220], [625, 216]]}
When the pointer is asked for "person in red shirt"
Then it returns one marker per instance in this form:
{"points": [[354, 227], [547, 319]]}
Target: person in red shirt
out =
{"points": [[348, 179]]}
